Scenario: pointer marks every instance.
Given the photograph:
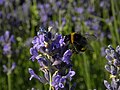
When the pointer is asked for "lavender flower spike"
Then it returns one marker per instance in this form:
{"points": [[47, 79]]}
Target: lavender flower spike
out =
{"points": [[113, 58], [54, 58], [6, 40]]}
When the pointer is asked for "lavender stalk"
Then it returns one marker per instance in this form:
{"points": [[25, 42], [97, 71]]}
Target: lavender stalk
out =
{"points": [[6, 41], [53, 56], [113, 67]]}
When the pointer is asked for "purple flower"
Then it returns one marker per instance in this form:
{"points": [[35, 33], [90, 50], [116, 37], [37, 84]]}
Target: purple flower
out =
{"points": [[102, 3], [105, 4], [9, 70], [7, 48], [90, 9], [33, 75], [59, 41], [113, 58], [66, 56], [58, 82], [39, 41], [70, 74], [113, 55], [53, 56], [114, 85], [13, 66], [42, 62], [108, 86], [1, 2], [34, 53], [5, 69], [6, 40], [79, 10], [40, 44]]}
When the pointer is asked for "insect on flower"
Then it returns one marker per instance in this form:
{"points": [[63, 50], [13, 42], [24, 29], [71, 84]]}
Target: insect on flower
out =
{"points": [[78, 42]]}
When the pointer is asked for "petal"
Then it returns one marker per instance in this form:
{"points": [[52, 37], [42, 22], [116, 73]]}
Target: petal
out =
{"points": [[108, 57], [7, 35], [34, 40], [113, 70], [12, 39], [33, 51], [5, 69], [42, 62], [66, 56], [41, 39], [107, 67], [6, 47], [108, 86], [33, 75], [116, 62], [118, 49], [13, 66], [72, 73], [1, 39], [61, 85], [61, 42]]}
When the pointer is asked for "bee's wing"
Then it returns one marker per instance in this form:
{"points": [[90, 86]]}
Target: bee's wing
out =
{"points": [[89, 47], [90, 37]]}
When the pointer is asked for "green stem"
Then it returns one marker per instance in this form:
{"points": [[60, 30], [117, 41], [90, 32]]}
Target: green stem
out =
{"points": [[9, 81], [87, 72], [115, 22], [50, 87], [9, 73]]}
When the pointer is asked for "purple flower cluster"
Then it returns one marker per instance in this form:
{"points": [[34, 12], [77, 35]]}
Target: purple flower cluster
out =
{"points": [[53, 56], [9, 70], [6, 40], [16, 17], [113, 66], [48, 10], [47, 13]]}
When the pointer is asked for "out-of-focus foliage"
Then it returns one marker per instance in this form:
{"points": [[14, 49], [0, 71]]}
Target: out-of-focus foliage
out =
{"points": [[23, 18]]}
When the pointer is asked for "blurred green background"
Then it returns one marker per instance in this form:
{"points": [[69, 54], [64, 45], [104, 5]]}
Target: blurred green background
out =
{"points": [[23, 18]]}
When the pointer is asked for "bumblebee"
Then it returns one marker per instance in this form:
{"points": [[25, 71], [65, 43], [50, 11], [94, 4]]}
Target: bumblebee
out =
{"points": [[78, 42]]}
